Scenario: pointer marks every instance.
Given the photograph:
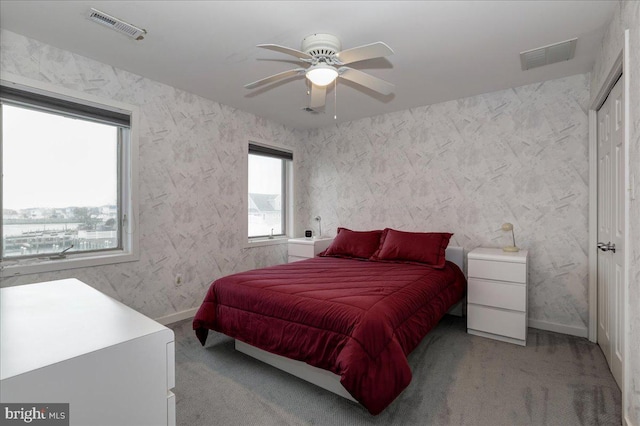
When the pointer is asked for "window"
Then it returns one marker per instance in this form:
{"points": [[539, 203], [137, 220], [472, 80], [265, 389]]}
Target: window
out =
{"points": [[66, 181], [268, 198]]}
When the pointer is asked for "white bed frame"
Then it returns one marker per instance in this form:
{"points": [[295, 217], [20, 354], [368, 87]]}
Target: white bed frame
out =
{"points": [[323, 378]]}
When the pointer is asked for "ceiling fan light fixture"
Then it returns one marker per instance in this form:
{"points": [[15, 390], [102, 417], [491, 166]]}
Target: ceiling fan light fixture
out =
{"points": [[322, 74]]}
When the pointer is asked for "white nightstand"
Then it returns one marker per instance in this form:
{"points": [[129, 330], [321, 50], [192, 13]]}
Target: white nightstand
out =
{"points": [[306, 248], [497, 295]]}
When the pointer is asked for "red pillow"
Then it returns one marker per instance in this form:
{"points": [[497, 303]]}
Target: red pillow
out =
{"points": [[423, 248], [353, 244]]}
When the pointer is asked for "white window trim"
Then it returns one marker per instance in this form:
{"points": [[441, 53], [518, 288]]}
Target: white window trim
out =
{"points": [[281, 239], [130, 251]]}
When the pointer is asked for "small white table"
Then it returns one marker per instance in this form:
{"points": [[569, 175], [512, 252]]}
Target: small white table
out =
{"points": [[497, 294], [306, 248], [65, 342]]}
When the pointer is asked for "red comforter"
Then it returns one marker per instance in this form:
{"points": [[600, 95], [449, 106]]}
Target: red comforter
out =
{"points": [[357, 319]]}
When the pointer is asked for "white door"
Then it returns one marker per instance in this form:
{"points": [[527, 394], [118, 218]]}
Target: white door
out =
{"points": [[611, 222]]}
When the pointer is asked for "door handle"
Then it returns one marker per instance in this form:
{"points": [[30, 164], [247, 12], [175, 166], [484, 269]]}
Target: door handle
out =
{"points": [[607, 247]]}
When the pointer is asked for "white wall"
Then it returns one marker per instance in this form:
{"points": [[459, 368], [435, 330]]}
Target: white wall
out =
{"points": [[467, 166], [191, 183], [627, 16]]}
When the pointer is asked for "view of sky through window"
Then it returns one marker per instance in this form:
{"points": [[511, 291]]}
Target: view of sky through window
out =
{"points": [[55, 161]]}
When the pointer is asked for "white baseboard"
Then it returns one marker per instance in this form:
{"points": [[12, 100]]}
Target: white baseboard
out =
{"points": [[178, 316], [559, 328]]}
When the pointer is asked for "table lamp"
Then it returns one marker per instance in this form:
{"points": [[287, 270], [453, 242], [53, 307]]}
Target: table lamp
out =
{"points": [[509, 227]]}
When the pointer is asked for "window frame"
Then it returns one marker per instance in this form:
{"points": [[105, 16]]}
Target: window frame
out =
{"points": [[28, 102], [287, 189], [127, 190]]}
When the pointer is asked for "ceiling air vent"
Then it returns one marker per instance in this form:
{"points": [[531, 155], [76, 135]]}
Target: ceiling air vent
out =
{"points": [[116, 24], [550, 54]]}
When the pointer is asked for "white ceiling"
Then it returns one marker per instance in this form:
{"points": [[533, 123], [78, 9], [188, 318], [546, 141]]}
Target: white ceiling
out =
{"points": [[444, 50]]}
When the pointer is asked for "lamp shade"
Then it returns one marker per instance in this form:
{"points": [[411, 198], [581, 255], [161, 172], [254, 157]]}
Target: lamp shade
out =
{"points": [[321, 74], [507, 227]]}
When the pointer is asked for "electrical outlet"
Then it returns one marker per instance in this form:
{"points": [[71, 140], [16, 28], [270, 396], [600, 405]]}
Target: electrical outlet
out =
{"points": [[178, 279]]}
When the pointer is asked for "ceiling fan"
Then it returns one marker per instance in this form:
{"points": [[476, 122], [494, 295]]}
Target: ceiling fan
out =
{"points": [[325, 62]]}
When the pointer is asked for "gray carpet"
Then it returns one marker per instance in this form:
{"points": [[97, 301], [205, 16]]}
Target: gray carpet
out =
{"points": [[458, 379]]}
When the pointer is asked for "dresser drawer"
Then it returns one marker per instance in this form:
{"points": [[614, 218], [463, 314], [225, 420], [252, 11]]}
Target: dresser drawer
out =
{"points": [[498, 294], [171, 409], [502, 271], [504, 323]]}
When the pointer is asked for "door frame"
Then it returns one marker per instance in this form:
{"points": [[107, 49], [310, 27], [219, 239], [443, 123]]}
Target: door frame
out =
{"points": [[620, 66]]}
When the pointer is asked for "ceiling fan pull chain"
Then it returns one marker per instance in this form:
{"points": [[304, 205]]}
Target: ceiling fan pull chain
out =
{"points": [[335, 99]]}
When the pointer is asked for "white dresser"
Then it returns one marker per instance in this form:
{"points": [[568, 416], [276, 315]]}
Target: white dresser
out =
{"points": [[497, 294], [306, 248], [65, 342]]}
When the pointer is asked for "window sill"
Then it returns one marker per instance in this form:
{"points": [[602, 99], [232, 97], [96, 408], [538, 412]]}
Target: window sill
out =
{"points": [[13, 268], [260, 242]]}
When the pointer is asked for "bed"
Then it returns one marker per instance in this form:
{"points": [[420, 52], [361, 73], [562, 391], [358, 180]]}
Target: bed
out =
{"points": [[331, 319]]}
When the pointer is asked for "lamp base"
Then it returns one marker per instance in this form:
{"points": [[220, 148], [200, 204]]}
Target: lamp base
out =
{"points": [[510, 249]]}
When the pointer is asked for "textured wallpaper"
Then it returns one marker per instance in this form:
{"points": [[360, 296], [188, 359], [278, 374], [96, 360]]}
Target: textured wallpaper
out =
{"points": [[191, 183], [464, 166], [627, 16], [467, 166]]}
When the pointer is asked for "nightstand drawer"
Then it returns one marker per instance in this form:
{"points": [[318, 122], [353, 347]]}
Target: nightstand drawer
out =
{"points": [[496, 321], [301, 250], [502, 271], [305, 248], [498, 294], [295, 259]]}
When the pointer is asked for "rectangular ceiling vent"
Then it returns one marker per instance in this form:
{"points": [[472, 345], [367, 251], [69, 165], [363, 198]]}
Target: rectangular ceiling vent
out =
{"points": [[550, 54], [116, 24]]}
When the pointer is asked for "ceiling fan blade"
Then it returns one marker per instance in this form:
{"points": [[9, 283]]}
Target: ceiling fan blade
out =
{"points": [[318, 96], [286, 50], [366, 80], [368, 51], [275, 77]]}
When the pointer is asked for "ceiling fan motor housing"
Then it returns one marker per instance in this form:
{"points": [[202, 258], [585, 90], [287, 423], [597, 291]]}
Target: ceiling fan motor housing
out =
{"points": [[321, 45]]}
